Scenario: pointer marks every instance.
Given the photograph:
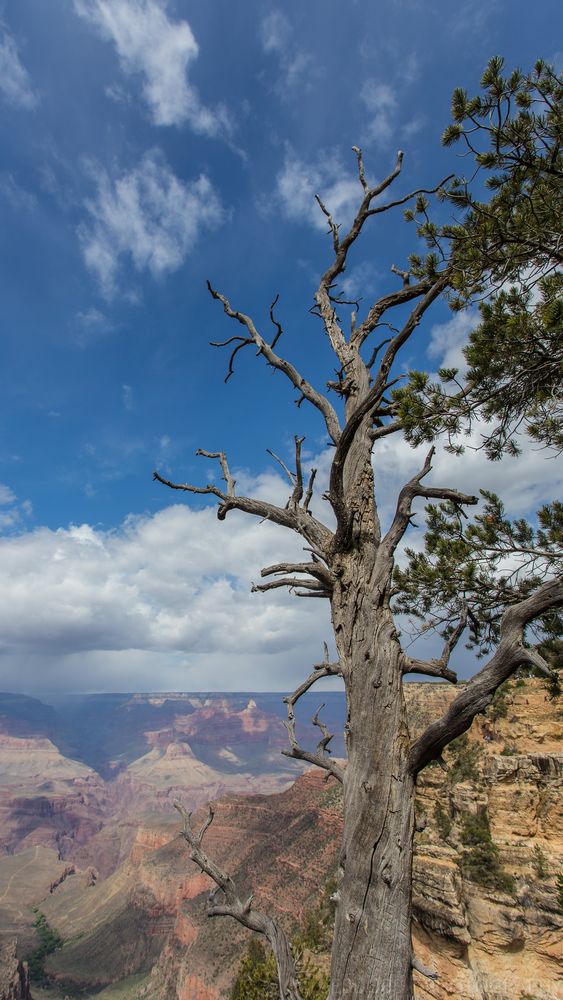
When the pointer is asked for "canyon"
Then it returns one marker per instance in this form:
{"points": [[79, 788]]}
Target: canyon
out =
{"points": [[92, 842]]}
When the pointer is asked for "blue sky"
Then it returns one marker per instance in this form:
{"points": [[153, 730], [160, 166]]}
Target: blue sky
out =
{"points": [[147, 146]]}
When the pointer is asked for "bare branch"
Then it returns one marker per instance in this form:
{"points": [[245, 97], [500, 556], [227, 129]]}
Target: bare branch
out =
{"points": [[478, 693], [405, 275], [298, 489], [315, 569], [414, 489], [234, 906], [188, 488], [439, 667], [220, 455], [322, 745], [292, 583], [320, 758], [341, 247], [430, 668], [309, 491], [278, 326], [376, 350], [361, 171], [408, 197], [332, 225], [378, 432], [277, 459], [367, 406], [406, 294], [303, 522], [280, 364]]}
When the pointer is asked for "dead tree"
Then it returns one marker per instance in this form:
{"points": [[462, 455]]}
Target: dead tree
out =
{"points": [[350, 562]]}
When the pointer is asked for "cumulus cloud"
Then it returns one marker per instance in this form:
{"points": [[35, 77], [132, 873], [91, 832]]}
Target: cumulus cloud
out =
{"points": [[161, 591], [146, 216], [300, 180], [164, 602], [15, 83], [149, 43]]}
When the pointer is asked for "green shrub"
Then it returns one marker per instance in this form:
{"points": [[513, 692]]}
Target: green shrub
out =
{"points": [[258, 979], [498, 709], [481, 863], [465, 755], [332, 796], [317, 924], [49, 941], [443, 821], [539, 862]]}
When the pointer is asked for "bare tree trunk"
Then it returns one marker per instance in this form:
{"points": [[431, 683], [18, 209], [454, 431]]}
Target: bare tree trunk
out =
{"points": [[372, 950], [371, 958]]}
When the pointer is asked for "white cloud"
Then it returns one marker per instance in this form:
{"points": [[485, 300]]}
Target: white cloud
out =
{"points": [[381, 103], [299, 181], [7, 495], [448, 339], [161, 590], [164, 601], [12, 513], [161, 50], [15, 83], [275, 32], [147, 216], [523, 483]]}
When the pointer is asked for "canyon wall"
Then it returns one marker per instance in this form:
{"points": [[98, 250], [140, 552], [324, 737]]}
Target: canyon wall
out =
{"points": [[489, 846]]}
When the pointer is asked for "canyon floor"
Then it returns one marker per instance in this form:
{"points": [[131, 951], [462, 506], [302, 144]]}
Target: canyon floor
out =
{"points": [[92, 842]]}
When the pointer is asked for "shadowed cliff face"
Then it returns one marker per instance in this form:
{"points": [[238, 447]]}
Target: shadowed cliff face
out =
{"points": [[489, 847], [14, 976]]}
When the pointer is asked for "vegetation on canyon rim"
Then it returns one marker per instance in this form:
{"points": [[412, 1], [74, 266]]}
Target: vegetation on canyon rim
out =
{"points": [[489, 579]]}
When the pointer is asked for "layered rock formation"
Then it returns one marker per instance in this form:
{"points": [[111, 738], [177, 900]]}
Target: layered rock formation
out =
{"points": [[489, 847], [51, 799]]}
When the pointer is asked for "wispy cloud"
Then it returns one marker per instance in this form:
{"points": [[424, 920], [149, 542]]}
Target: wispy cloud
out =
{"points": [[13, 514], [16, 196], [149, 43], [381, 103], [15, 82], [127, 396], [297, 66], [145, 216], [90, 326], [300, 180]]}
